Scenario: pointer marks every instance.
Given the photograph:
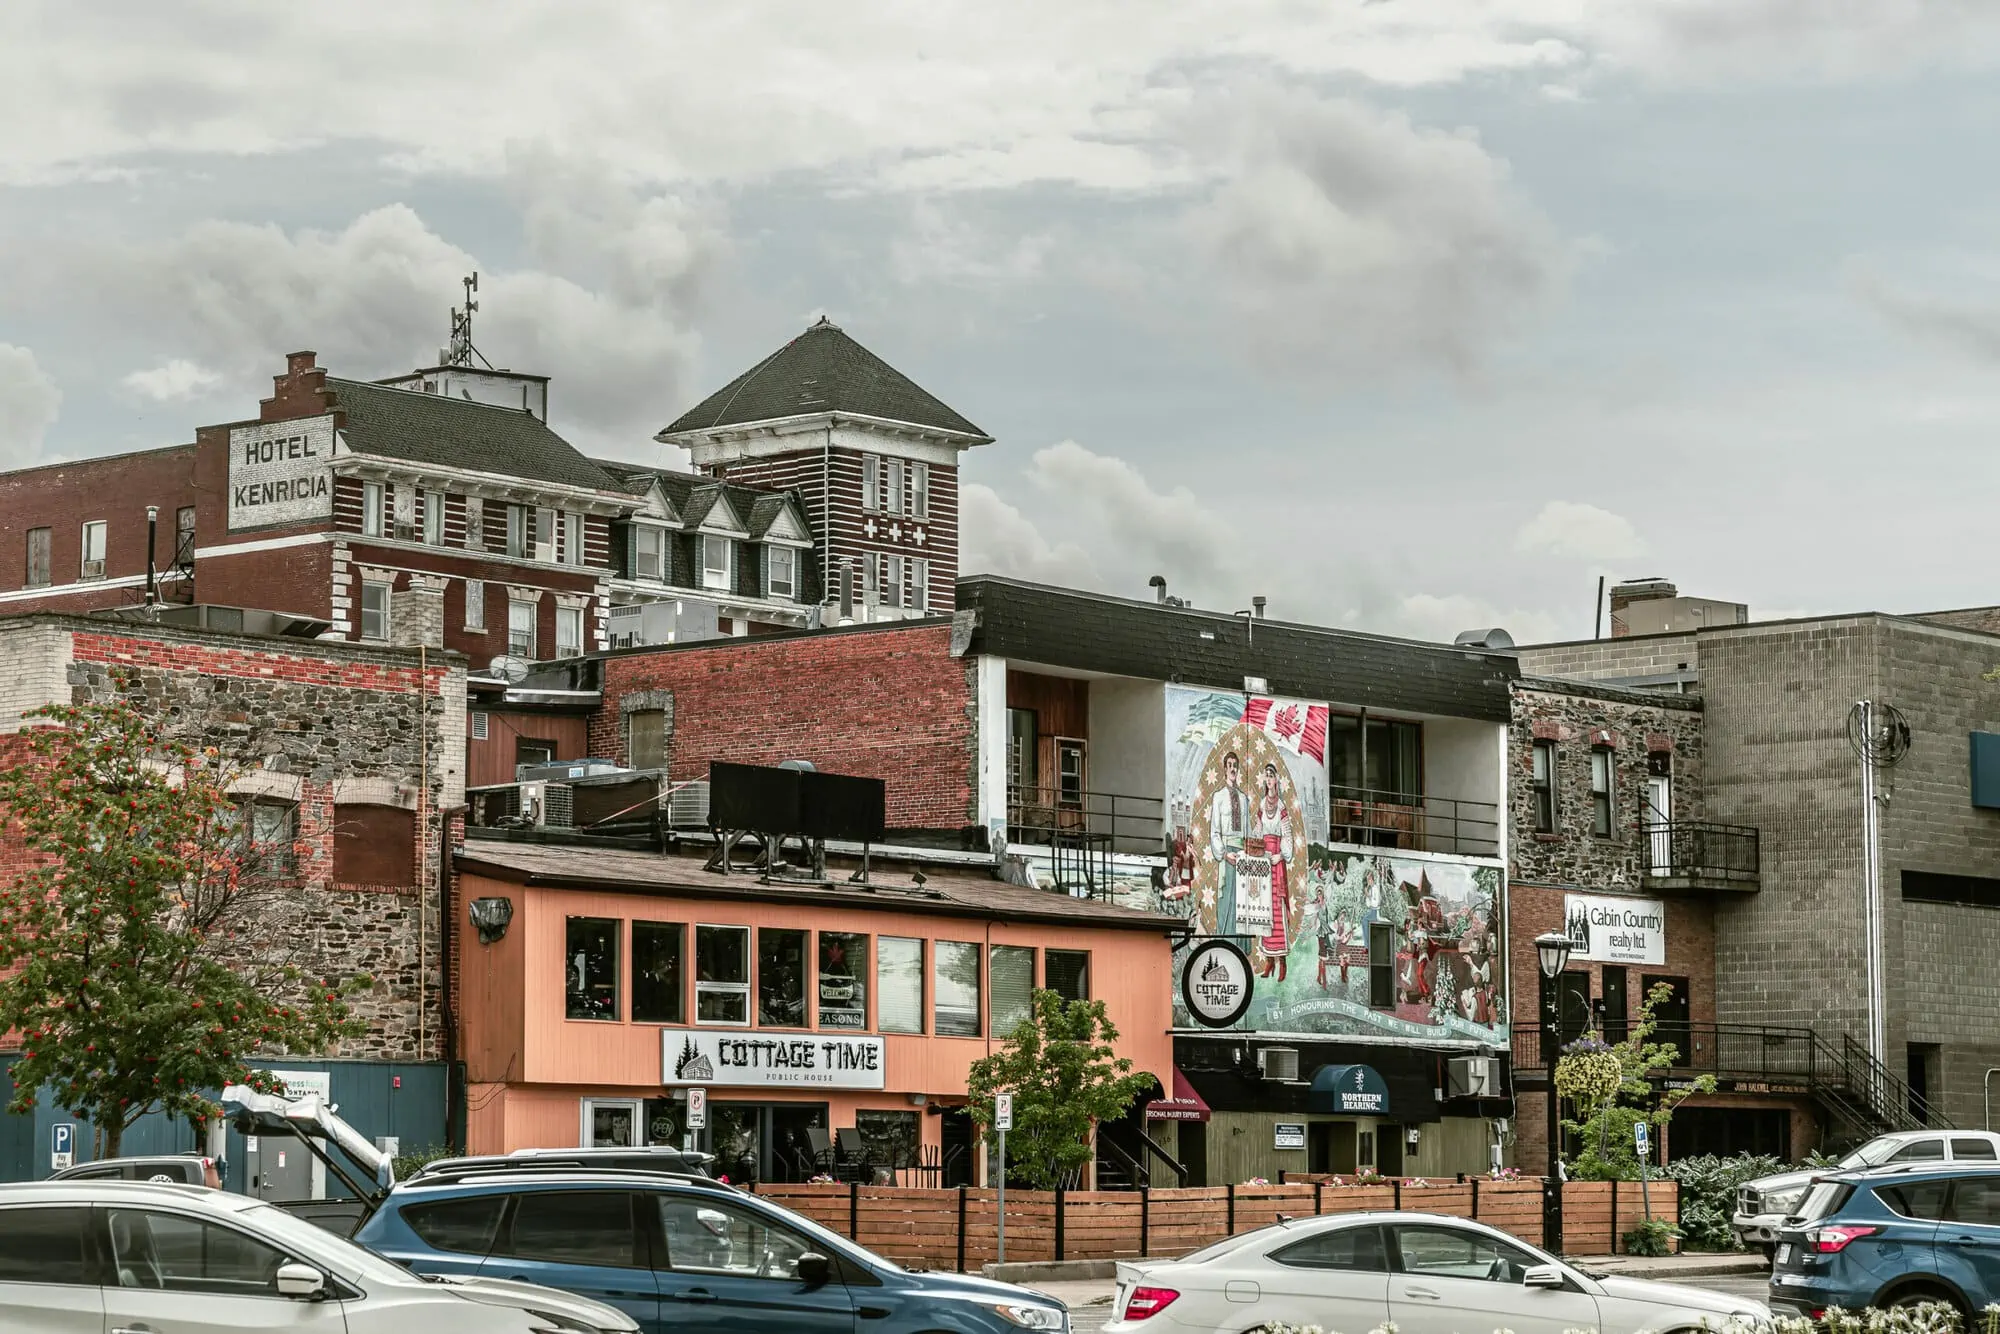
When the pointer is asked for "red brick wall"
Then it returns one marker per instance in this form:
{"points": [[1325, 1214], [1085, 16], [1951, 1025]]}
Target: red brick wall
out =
{"points": [[878, 703], [63, 496], [297, 579], [1535, 909]]}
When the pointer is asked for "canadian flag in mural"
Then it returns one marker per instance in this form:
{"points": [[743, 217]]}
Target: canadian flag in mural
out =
{"points": [[1294, 724]]}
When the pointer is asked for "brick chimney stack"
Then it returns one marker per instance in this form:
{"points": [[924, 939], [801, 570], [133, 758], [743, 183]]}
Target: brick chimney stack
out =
{"points": [[300, 392]]}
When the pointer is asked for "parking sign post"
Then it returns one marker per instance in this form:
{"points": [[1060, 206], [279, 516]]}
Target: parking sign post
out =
{"points": [[62, 1145], [1003, 1121], [1641, 1140]]}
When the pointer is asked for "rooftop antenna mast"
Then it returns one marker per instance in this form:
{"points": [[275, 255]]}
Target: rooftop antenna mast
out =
{"points": [[461, 352]]}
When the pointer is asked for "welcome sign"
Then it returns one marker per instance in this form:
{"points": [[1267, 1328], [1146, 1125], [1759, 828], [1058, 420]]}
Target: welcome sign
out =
{"points": [[807, 1060]]}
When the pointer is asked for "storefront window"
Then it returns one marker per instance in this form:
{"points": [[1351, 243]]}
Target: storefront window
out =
{"points": [[843, 980], [1067, 973], [957, 989], [781, 978], [657, 973], [899, 985], [1011, 969], [722, 975], [610, 1124], [890, 1138], [591, 956]]}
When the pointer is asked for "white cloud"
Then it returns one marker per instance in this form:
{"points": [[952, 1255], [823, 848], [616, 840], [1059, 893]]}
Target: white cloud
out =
{"points": [[29, 402], [997, 538], [608, 315], [1351, 242], [172, 381], [1576, 531], [1971, 329]]}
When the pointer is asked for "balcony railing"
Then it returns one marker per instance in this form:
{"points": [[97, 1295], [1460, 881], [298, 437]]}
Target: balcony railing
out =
{"points": [[1416, 823], [1099, 821], [1701, 853]]}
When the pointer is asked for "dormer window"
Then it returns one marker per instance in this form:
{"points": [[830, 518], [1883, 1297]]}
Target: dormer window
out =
{"points": [[717, 562], [649, 553], [781, 564]]}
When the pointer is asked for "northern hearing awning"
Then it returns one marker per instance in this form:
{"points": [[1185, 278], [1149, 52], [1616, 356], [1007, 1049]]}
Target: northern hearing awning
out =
{"points": [[1185, 1105], [1348, 1090]]}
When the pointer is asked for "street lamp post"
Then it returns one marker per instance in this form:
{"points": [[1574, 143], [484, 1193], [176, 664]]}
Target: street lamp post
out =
{"points": [[1552, 949]]}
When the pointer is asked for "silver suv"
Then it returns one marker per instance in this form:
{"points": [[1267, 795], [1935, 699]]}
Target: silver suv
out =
{"points": [[127, 1255]]}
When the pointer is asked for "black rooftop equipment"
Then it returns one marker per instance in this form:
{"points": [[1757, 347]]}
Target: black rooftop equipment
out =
{"points": [[773, 803]]}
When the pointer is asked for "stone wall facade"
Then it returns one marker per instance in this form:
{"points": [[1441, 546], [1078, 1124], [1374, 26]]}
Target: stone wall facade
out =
{"points": [[321, 727]]}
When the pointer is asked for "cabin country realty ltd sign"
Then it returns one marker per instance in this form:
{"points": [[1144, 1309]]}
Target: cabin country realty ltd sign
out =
{"points": [[818, 1061]]}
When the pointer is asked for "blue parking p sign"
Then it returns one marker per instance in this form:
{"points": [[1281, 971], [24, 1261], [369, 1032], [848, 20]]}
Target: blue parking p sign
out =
{"points": [[1639, 1137], [62, 1145]]}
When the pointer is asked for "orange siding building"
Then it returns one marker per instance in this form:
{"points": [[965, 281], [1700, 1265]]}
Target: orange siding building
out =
{"points": [[832, 1025]]}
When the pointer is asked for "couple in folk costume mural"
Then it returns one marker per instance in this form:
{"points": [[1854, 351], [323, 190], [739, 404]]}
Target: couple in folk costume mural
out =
{"points": [[1250, 859]]}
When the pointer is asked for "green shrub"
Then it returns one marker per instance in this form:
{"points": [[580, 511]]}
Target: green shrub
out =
{"points": [[1708, 1185], [407, 1164], [1655, 1236]]}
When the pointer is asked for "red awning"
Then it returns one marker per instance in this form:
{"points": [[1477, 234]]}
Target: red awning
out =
{"points": [[1185, 1105]]}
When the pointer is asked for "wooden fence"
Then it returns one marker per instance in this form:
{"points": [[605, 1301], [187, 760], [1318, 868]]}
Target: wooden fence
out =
{"points": [[958, 1229]]}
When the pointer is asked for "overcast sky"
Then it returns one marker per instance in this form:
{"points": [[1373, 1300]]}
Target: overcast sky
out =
{"points": [[1411, 315]]}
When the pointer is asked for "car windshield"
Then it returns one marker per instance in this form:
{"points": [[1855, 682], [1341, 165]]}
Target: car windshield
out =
{"points": [[310, 1242], [1871, 1153]]}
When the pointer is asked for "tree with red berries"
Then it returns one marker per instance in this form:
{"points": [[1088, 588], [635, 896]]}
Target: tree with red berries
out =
{"points": [[127, 969]]}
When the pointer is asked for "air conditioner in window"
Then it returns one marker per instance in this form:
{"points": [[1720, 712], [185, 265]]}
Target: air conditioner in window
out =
{"points": [[1473, 1077], [1279, 1065], [93, 569]]}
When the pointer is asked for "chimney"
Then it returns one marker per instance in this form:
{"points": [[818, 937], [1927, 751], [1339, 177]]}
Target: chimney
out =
{"points": [[1258, 603], [300, 392], [1158, 583], [1623, 595]]}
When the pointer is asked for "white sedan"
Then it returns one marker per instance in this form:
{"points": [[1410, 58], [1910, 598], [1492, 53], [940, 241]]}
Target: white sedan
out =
{"points": [[1417, 1273]]}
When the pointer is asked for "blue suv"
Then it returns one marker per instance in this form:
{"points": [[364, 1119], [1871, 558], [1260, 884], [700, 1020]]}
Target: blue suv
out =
{"points": [[1892, 1238], [684, 1253]]}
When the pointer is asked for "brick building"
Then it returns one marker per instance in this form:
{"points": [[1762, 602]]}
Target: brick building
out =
{"points": [[1793, 961], [347, 757]]}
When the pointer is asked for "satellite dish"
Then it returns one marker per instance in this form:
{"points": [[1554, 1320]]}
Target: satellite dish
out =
{"points": [[509, 668]]}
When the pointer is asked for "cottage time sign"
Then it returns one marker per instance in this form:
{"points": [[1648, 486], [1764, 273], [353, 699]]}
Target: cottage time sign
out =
{"points": [[795, 1062], [1215, 984], [1608, 930], [280, 472]]}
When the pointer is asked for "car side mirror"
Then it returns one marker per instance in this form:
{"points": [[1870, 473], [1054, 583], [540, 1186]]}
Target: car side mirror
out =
{"points": [[815, 1269], [1543, 1276], [300, 1281]]}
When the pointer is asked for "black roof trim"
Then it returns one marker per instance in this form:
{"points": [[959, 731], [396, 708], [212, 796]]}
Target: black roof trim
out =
{"points": [[1083, 631]]}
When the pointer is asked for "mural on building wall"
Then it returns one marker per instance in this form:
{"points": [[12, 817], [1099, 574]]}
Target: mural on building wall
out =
{"points": [[1246, 796], [1444, 958]]}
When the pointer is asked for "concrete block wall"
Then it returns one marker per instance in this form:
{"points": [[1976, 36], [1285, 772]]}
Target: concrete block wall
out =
{"points": [[1611, 659]]}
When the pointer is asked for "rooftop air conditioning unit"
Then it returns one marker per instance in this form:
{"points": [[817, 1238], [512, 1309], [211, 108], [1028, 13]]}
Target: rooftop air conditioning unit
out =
{"points": [[1473, 1077], [547, 804], [687, 806], [628, 626], [564, 770], [1280, 1065]]}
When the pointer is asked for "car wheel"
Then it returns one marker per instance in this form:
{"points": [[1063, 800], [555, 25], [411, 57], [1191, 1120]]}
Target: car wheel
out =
{"points": [[1923, 1296]]}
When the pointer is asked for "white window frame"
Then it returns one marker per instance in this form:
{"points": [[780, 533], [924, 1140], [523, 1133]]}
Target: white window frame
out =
{"points": [[893, 492], [791, 588], [96, 536], [475, 524], [374, 500], [871, 483], [641, 535], [569, 616], [1604, 791], [545, 535], [433, 503], [918, 570], [520, 535], [728, 567], [745, 988], [631, 751], [587, 1112], [533, 612], [481, 726], [406, 526], [362, 612], [920, 490], [475, 604], [890, 585]]}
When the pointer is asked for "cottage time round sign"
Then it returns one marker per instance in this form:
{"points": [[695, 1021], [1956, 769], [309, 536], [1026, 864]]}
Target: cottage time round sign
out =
{"points": [[1216, 983]]}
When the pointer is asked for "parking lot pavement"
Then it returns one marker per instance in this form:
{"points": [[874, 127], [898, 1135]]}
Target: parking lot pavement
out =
{"points": [[1090, 1303]]}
